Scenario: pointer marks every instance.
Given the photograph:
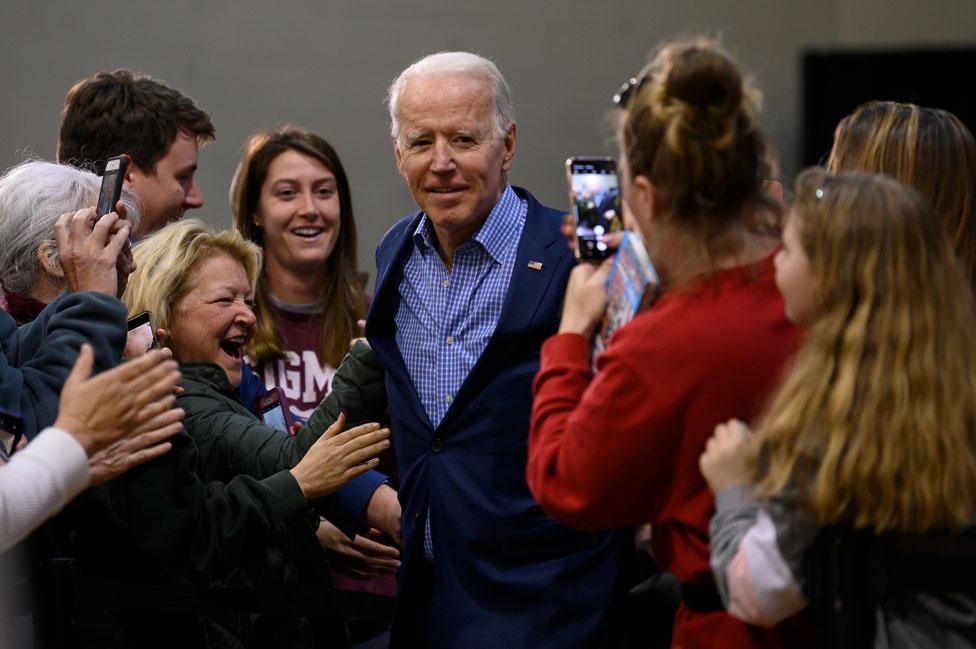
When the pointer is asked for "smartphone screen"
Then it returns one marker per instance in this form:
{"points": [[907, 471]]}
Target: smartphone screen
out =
{"points": [[11, 430], [594, 194], [142, 336], [272, 412], [111, 189]]}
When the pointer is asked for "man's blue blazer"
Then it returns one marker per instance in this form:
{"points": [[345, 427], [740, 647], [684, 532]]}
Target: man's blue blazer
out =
{"points": [[506, 574]]}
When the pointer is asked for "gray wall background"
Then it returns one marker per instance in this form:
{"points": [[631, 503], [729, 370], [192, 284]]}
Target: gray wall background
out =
{"points": [[325, 65]]}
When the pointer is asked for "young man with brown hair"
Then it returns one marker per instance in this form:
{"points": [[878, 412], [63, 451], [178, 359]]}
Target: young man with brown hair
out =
{"points": [[156, 125]]}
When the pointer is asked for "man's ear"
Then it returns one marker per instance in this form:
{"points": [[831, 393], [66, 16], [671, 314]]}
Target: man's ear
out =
{"points": [[47, 257], [399, 157], [509, 147], [133, 174]]}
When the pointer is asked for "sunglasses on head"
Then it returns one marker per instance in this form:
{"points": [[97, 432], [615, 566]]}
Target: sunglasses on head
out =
{"points": [[628, 89]]}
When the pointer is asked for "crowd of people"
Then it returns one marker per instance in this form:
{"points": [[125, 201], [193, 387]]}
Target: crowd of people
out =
{"points": [[778, 452]]}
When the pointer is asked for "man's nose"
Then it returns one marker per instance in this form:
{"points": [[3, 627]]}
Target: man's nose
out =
{"points": [[443, 160], [194, 197]]}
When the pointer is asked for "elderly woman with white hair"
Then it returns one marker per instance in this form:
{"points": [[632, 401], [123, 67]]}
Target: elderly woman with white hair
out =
{"points": [[53, 253], [33, 197]]}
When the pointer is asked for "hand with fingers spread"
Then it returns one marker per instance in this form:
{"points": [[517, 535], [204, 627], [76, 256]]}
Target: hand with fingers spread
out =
{"points": [[100, 410], [363, 557], [728, 456], [92, 252], [337, 457]]}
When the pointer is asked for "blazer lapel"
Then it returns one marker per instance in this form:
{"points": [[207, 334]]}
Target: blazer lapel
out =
{"points": [[381, 322], [538, 262]]}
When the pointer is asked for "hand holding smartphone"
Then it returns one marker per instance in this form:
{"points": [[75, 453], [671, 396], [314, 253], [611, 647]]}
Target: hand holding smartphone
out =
{"points": [[594, 198], [111, 190]]}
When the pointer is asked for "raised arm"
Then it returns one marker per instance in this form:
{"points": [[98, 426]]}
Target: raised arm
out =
{"points": [[755, 581]]}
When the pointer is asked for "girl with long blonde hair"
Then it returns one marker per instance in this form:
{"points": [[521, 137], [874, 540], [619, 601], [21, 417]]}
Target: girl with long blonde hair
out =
{"points": [[874, 425]]}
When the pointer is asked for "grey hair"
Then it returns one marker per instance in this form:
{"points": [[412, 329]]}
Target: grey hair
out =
{"points": [[445, 63], [32, 197]]}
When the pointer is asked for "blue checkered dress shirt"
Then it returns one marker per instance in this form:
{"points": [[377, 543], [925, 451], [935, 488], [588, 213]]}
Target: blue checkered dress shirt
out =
{"points": [[446, 318]]}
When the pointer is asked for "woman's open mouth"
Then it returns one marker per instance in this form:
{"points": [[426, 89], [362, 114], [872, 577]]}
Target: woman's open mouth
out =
{"points": [[233, 347]]}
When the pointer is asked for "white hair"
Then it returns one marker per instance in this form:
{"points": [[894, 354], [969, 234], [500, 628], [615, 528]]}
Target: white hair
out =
{"points": [[32, 197], [447, 63]]}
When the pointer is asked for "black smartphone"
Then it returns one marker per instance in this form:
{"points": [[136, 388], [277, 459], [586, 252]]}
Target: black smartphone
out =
{"points": [[111, 191], [11, 430], [142, 336], [594, 198], [273, 412]]}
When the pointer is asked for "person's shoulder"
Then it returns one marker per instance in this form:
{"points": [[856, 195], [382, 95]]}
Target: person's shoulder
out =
{"points": [[398, 231], [204, 384], [92, 308], [543, 225], [7, 326], [537, 209]]}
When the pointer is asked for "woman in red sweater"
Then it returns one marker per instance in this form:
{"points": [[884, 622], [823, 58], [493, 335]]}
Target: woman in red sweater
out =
{"points": [[620, 447]]}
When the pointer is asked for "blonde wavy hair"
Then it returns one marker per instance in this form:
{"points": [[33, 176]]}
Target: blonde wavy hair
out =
{"points": [[166, 261], [875, 423], [927, 148]]}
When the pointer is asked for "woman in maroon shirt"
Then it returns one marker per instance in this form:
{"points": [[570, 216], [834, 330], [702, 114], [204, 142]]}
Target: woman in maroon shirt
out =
{"points": [[291, 196], [620, 447]]}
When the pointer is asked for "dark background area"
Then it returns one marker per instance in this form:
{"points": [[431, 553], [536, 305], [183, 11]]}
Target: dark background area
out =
{"points": [[835, 83]]}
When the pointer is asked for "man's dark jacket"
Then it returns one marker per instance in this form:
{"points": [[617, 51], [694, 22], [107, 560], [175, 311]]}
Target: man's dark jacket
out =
{"points": [[506, 574]]}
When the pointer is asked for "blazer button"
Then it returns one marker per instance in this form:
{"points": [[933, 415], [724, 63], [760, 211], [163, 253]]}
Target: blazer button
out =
{"points": [[437, 445]]}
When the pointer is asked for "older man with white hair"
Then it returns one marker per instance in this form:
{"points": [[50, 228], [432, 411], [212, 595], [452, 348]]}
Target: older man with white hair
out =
{"points": [[467, 290]]}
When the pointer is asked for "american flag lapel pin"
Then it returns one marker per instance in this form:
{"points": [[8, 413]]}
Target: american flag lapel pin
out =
{"points": [[535, 265]]}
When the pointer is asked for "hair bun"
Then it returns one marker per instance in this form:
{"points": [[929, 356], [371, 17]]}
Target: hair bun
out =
{"points": [[704, 78]]}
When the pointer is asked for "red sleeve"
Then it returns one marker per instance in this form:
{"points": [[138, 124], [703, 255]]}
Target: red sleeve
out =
{"points": [[600, 447]]}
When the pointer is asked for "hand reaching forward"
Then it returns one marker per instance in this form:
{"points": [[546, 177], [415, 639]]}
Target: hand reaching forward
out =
{"points": [[364, 557], [337, 457], [727, 459], [100, 410]]}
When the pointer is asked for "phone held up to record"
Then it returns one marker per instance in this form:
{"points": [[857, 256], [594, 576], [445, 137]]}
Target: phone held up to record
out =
{"points": [[594, 198], [111, 191], [273, 412], [142, 336]]}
